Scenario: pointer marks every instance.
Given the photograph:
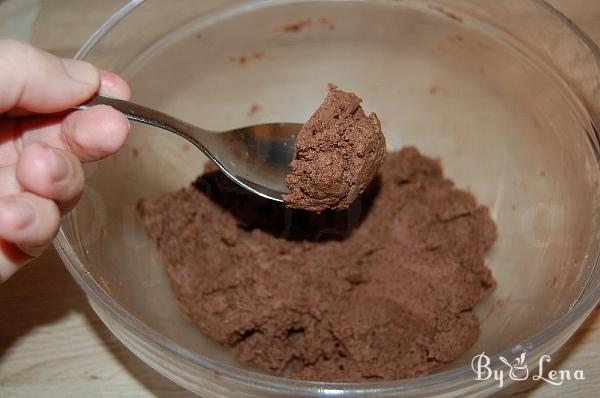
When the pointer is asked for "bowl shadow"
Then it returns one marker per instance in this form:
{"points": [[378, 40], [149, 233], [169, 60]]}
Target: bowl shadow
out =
{"points": [[44, 294], [528, 388]]}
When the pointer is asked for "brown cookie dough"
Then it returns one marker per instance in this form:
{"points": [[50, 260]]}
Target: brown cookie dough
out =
{"points": [[383, 290], [338, 153]]}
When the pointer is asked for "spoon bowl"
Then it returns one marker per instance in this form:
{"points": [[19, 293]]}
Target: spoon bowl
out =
{"points": [[257, 158]]}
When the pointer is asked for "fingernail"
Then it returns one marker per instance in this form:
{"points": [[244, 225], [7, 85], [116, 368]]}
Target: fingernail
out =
{"points": [[81, 71], [17, 213], [107, 85], [60, 166]]}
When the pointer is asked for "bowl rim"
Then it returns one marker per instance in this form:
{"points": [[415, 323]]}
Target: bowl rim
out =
{"points": [[580, 309]]}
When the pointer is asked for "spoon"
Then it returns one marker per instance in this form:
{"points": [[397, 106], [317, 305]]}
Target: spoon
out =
{"points": [[256, 157]]}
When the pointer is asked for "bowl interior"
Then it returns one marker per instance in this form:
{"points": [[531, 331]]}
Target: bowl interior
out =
{"points": [[505, 126]]}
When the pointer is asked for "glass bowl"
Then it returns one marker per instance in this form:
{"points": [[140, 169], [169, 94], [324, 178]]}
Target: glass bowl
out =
{"points": [[504, 92]]}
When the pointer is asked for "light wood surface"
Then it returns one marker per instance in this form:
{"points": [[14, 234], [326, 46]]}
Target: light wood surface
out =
{"points": [[53, 345]]}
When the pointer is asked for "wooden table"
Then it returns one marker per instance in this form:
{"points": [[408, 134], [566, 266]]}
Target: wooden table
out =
{"points": [[53, 345]]}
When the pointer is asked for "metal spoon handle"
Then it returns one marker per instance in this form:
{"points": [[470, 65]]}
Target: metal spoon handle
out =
{"points": [[142, 114], [256, 157]]}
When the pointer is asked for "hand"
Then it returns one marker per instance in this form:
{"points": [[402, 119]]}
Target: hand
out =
{"points": [[41, 177]]}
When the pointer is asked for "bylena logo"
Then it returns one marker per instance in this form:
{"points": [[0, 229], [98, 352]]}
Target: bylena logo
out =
{"points": [[519, 370]]}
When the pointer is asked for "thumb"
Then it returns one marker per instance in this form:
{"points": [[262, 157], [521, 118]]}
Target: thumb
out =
{"points": [[32, 80]]}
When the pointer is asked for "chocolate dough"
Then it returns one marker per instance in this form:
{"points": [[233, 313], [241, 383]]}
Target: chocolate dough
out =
{"points": [[383, 290], [338, 153]]}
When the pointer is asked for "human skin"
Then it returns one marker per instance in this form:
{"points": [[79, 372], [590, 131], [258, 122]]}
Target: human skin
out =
{"points": [[43, 144]]}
